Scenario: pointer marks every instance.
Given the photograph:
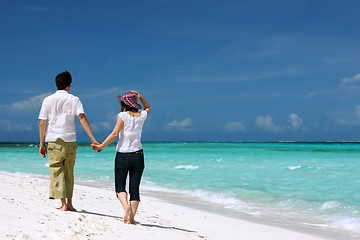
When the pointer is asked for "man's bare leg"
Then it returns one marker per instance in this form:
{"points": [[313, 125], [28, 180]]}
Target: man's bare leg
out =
{"points": [[63, 205], [69, 205]]}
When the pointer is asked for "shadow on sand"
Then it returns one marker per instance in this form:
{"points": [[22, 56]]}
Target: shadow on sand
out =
{"points": [[136, 223]]}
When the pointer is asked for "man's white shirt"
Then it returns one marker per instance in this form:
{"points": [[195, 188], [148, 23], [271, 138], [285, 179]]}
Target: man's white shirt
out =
{"points": [[60, 109]]}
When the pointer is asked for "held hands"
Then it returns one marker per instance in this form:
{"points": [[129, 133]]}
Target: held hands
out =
{"points": [[96, 146]]}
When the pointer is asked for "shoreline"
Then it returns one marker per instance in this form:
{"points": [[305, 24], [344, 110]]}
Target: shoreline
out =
{"points": [[99, 216], [317, 230], [86, 143], [197, 203]]}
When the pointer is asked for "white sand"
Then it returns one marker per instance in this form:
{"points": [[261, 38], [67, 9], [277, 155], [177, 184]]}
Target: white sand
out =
{"points": [[27, 213]]}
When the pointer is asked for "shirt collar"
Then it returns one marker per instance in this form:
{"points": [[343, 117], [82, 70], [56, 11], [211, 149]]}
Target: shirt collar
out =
{"points": [[61, 91]]}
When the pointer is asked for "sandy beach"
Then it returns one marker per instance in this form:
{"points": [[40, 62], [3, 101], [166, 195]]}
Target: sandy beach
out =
{"points": [[27, 213]]}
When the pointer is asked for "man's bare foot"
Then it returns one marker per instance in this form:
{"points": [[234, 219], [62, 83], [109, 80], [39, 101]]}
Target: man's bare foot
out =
{"points": [[63, 208], [71, 209], [127, 211]]}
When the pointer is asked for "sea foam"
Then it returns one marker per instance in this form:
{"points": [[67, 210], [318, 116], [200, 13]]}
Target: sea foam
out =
{"points": [[187, 167], [330, 205], [226, 200], [347, 223], [294, 167]]}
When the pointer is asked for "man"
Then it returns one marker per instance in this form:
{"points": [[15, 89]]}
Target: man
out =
{"points": [[59, 110]]}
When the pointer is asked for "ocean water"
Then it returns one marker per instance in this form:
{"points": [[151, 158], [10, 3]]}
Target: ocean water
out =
{"points": [[314, 184]]}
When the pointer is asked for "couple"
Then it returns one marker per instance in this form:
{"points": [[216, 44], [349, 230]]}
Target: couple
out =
{"points": [[58, 112]]}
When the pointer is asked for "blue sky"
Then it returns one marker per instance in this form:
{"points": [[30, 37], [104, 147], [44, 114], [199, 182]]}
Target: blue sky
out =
{"points": [[253, 70]]}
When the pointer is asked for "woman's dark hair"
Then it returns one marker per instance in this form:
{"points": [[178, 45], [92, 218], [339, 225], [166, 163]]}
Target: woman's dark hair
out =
{"points": [[125, 107], [63, 80]]}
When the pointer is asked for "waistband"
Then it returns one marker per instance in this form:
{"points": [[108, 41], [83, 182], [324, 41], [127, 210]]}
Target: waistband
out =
{"points": [[137, 152], [61, 143]]}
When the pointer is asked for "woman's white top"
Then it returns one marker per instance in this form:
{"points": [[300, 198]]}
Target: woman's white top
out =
{"points": [[130, 135]]}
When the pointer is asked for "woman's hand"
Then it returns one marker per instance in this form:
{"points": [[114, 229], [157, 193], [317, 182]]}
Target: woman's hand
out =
{"points": [[135, 92], [145, 104], [96, 147]]}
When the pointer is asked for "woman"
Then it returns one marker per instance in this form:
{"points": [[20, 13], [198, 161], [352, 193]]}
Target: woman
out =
{"points": [[129, 155]]}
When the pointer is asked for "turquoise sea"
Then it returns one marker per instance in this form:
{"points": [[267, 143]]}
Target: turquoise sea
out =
{"points": [[312, 184]]}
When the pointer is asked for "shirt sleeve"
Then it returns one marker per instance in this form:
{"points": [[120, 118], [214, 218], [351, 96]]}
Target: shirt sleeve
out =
{"points": [[78, 107], [122, 115], [144, 114], [43, 115]]}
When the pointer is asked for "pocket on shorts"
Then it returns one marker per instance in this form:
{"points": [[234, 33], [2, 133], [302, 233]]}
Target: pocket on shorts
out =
{"points": [[53, 148], [54, 151]]}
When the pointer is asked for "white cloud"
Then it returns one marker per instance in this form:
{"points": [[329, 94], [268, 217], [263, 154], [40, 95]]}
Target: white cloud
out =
{"points": [[183, 125], [350, 80], [107, 125], [10, 126], [357, 109], [282, 72], [295, 121], [95, 92], [310, 95], [30, 103], [348, 85], [102, 126], [342, 117], [266, 123], [347, 118], [234, 127]]}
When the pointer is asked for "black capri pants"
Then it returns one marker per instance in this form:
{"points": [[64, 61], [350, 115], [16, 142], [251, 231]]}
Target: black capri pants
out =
{"points": [[132, 163]]}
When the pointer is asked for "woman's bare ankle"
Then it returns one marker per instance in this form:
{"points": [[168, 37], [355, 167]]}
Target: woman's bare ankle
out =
{"points": [[127, 215]]}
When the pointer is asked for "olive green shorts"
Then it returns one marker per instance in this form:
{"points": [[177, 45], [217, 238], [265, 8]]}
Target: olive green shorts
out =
{"points": [[61, 162]]}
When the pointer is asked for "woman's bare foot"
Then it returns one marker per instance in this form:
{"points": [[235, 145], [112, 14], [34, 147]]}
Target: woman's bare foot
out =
{"points": [[127, 214], [131, 216]]}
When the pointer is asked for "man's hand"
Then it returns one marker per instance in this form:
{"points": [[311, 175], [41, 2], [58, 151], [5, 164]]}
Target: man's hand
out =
{"points": [[95, 145], [43, 151]]}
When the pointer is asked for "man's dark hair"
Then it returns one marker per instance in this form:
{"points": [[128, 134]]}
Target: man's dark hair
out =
{"points": [[63, 80]]}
